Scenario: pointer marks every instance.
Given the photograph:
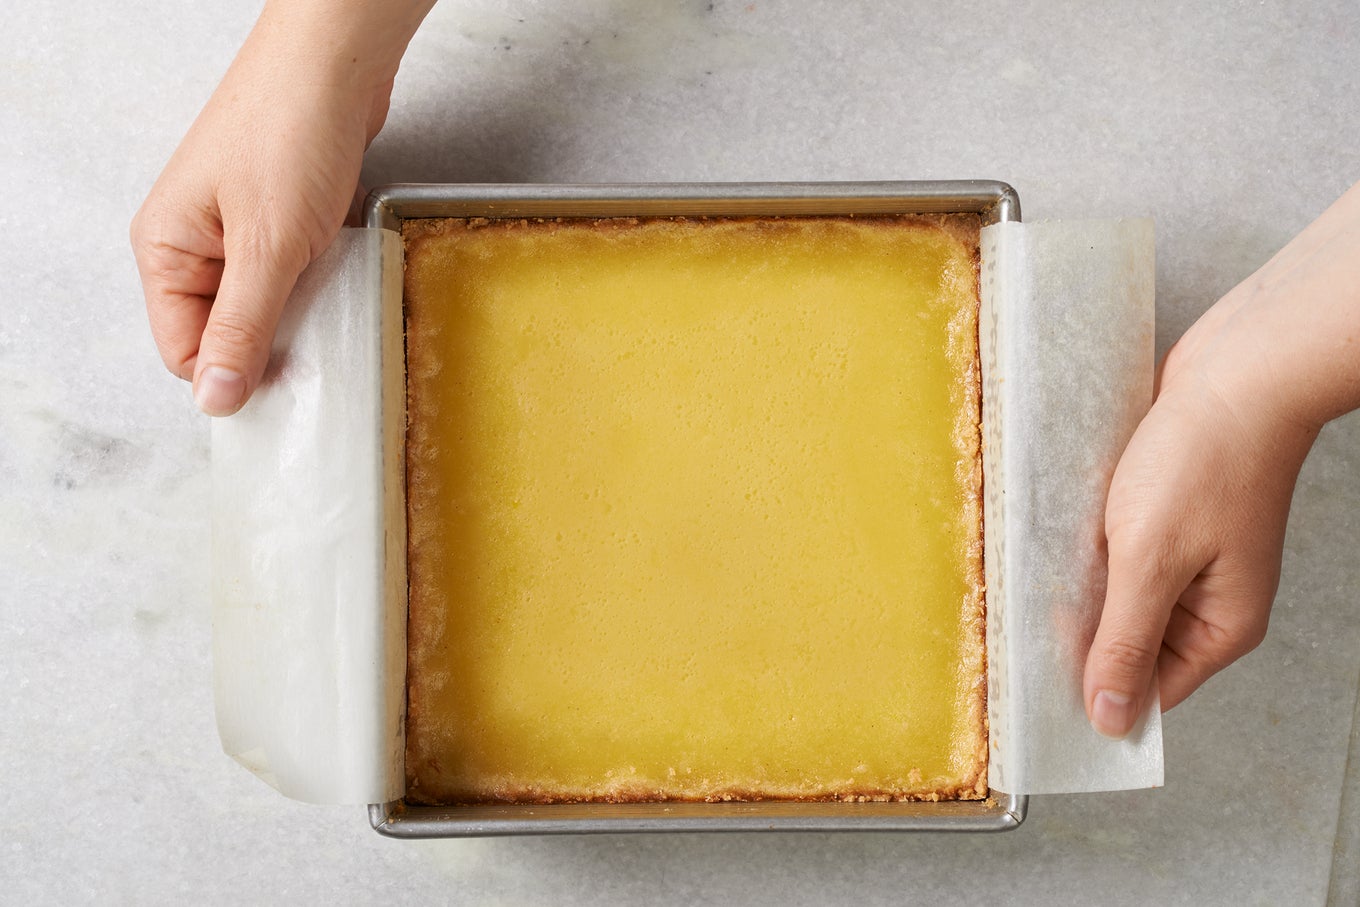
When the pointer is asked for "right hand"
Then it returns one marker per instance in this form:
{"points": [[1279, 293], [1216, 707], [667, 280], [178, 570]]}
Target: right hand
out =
{"points": [[1195, 518], [1195, 524]]}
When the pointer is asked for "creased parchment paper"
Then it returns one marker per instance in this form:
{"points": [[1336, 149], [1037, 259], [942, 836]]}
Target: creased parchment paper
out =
{"points": [[1066, 337], [309, 530], [309, 607]]}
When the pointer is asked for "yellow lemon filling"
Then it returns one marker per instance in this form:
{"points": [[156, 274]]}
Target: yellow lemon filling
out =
{"points": [[694, 510]]}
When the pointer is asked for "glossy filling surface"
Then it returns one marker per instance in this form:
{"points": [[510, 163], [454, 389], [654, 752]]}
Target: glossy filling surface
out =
{"points": [[694, 510]]}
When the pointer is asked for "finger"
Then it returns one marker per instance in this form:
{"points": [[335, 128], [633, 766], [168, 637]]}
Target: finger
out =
{"points": [[177, 321], [1195, 648], [1145, 580], [1182, 665], [234, 348], [179, 287]]}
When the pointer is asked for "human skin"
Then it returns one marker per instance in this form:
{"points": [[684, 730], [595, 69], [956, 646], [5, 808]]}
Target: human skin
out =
{"points": [[1196, 513], [262, 183]]}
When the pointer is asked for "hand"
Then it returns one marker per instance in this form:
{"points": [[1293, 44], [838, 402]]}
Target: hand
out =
{"points": [[261, 185], [1196, 512], [1195, 526]]}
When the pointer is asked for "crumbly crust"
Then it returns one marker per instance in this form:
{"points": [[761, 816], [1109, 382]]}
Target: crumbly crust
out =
{"points": [[421, 238]]}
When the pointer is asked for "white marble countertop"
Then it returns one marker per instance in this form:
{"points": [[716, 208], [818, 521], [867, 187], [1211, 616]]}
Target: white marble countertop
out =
{"points": [[1231, 123]]}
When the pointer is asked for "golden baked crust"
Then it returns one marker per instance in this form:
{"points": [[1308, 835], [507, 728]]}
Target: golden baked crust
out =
{"points": [[573, 570]]}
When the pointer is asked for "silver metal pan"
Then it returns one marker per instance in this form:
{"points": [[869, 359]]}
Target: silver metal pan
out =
{"points": [[389, 206]]}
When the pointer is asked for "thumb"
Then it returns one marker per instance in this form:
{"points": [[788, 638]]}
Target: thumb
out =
{"points": [[1145, 581], [234, 350]]}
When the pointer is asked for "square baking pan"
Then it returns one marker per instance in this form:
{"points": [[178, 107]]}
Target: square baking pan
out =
{"points": [[993, 201]]}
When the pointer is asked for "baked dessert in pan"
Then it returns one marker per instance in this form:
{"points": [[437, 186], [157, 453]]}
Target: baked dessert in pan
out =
{"points": [[694, 509]]}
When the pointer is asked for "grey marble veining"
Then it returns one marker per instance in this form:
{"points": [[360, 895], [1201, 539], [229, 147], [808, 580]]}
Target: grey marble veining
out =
{"points": [[1232, 124]]}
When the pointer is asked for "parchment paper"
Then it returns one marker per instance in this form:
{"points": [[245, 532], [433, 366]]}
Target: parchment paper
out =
{"points": [[309, 618], [1067, 362], [309, 544]]}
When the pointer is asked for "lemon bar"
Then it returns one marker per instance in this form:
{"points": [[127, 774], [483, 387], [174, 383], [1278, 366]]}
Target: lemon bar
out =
{"points": [[694, 510]]}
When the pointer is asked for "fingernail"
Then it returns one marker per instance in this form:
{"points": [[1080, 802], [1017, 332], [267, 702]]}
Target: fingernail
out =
{"points": [[1113, 714], [219, 391]]}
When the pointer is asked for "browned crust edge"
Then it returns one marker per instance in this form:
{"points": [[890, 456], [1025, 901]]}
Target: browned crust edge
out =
{"points": [[641, 794], [964, 229], [969, 445]]}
